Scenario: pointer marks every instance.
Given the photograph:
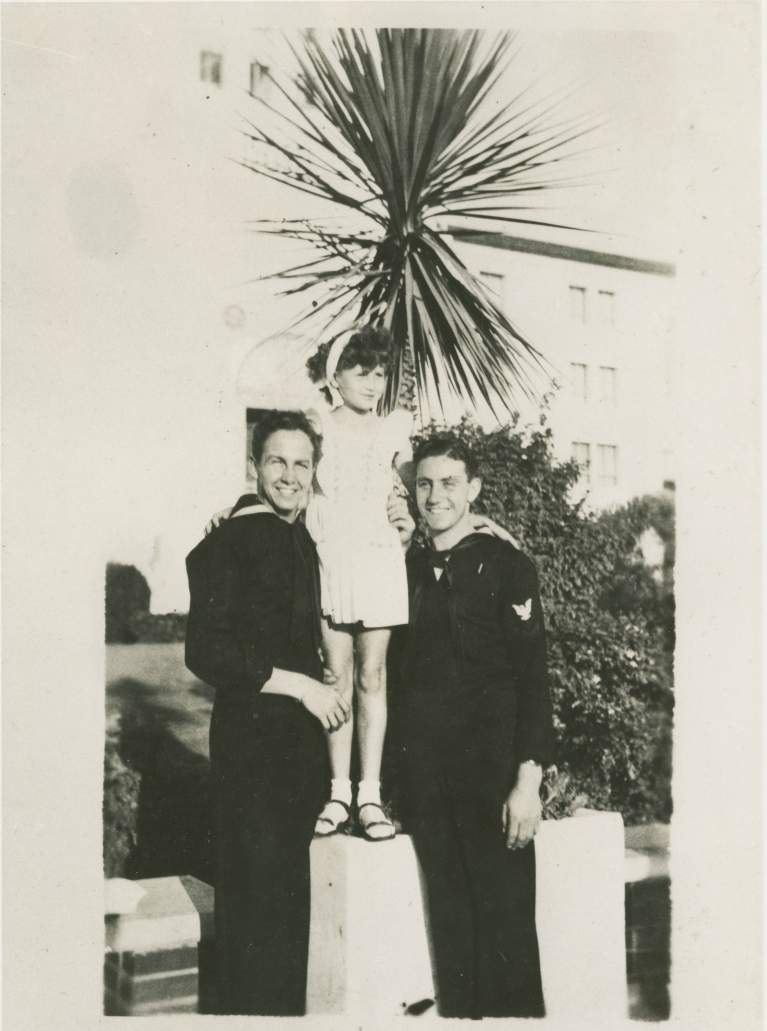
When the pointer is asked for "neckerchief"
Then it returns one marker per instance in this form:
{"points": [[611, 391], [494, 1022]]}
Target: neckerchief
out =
{"points": [[439, 561]]}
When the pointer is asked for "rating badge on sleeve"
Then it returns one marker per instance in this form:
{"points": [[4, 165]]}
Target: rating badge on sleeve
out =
{"points": [[525, 610]]}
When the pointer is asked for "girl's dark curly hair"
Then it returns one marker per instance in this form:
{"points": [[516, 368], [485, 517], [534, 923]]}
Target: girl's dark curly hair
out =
{"points": [[369, 347]]}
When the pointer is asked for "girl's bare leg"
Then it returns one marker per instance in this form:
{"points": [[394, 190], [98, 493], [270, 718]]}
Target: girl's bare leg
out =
{"points": [[371, 647], [338, 649]]}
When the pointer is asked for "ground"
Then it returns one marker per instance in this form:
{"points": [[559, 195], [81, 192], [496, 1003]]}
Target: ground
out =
{"points": [[165, 716], [151, 679]]}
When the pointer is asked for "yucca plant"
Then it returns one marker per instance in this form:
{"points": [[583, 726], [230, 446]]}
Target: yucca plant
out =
{"points": [[399, 130]]}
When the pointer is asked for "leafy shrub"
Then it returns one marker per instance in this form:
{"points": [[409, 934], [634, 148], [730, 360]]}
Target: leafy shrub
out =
{"points": [[128, 619], [151, 628], [610, 681], [120, 808], [127, 595], [634, 587]]}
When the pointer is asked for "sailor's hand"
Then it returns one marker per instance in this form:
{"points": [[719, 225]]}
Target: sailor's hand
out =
{"points": [[398, 514], [324, 702], [216, 520], [521, 812]]}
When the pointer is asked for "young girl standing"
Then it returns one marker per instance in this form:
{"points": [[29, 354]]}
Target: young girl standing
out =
{"points": [[362, 566]]}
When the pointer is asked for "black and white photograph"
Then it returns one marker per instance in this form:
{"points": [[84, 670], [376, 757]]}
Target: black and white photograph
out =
{"points": [[382, 552]]}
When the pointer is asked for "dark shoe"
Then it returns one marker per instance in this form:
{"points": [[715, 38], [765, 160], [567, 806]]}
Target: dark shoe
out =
{"points": [[385, 835], [327, 826]]}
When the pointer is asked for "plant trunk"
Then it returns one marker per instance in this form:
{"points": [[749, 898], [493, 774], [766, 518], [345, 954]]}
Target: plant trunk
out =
{"points": [[408, 393]]}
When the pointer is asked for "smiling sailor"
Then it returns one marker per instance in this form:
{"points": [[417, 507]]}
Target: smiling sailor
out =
{"points": [[478, 734]]}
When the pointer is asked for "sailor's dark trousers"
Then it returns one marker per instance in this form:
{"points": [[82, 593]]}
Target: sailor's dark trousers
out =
{"points": [[269, 773], [480, 894]]}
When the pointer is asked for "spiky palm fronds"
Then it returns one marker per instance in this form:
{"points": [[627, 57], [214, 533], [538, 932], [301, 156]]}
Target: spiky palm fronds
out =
{"points": [[397, 130]]}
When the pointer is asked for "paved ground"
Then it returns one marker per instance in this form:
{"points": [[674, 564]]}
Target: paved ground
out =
{"points": [[152, 679], [165, 715]]}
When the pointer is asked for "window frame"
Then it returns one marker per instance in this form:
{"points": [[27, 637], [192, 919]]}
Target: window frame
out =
{"points": [[585, 467], [612, 397], [263, 72], [603, 478], [610, 307], [210, 59], [574, 290], [581, 395]]}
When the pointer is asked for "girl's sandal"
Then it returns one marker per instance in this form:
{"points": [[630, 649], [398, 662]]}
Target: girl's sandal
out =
{"points": [[367, 827], [326, 825]]}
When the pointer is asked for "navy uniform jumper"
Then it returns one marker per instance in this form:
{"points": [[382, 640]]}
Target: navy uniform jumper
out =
{"points": [[476, 705], [255, 606]]}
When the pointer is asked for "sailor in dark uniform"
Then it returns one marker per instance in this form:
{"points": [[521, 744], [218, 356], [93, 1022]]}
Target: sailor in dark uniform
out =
{"points": [[478, 732], [254, 635]]}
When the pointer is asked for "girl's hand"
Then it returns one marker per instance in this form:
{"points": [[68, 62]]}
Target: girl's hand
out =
{"points": [[216, 520], [484, 524]]}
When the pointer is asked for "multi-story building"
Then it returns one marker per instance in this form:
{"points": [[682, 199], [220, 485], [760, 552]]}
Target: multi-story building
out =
{"points": [[604, 323]]}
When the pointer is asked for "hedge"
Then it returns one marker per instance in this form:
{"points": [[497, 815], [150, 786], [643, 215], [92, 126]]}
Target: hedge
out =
{"points": [[127, 616], [120, 806], [609, 644]]}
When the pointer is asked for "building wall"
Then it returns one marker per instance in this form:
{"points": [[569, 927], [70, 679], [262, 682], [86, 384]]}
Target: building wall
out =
{"points": [[607, 337]]}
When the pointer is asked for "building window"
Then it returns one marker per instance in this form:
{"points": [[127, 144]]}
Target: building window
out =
{"points": [[259, 80], [578, 303], [580, 378], [608, 384], [494, 282], [608, 464], [582, 455], [210, 67], [606, 307]]}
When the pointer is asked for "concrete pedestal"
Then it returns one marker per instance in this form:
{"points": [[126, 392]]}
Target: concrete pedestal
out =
{"points": [[368, 949]]}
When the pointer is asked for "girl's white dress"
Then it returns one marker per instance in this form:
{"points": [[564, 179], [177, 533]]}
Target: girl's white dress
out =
{"points": [[362, 565]]}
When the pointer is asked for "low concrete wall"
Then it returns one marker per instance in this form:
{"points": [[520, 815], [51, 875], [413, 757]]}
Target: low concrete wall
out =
{"points": [[369, 947], [580, 917], [158, 956]]}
